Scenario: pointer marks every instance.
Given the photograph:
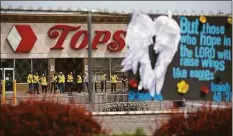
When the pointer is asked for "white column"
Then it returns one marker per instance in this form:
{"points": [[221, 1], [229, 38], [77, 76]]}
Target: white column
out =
{"points": [[31, 65]]}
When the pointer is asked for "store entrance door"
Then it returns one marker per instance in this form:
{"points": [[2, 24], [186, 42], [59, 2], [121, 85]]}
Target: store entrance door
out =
{"points": [[8, 75]]}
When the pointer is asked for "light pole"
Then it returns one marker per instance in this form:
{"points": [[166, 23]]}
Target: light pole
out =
{"points": [[89, 61]]}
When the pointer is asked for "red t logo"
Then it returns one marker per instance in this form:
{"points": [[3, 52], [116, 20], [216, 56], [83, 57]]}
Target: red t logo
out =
{"points": [[22, 38]]}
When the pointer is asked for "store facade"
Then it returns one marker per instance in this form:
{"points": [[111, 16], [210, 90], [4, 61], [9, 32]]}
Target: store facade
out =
{"points": [[58, 43]]}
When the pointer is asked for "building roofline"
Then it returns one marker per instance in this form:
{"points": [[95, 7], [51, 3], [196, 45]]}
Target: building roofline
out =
{"points": [[59, 10], [69, 15], [61, 18], [30, 9]]}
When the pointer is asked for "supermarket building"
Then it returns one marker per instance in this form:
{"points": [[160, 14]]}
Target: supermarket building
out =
{"points": [[47, 43]]}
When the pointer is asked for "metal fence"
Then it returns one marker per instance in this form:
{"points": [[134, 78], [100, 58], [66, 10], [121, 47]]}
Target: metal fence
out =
{"points": [[107, 102]]}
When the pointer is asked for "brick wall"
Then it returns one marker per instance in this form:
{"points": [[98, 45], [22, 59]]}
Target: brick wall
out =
{"points": [[129, 123]]}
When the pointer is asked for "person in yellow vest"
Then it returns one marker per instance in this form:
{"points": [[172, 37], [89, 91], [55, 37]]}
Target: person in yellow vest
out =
{"points": [[43, 83], [36, 79], [103, 82], [61, 82], [70, 82], [30, 83], [79, 83], [113, 82], [53, 83]]}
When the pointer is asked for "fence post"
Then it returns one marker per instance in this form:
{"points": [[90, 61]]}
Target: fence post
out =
{"points": [[185, 108], [160, 104], [3, 91], [14, 92]]}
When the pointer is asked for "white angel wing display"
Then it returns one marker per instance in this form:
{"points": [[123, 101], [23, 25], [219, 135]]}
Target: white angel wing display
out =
{"points": [[166, 45], [138, 38]]}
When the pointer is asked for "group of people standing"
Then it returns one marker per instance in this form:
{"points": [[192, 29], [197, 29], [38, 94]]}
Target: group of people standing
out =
{"points": [[34, 80], [60, 82], [113, 80]]}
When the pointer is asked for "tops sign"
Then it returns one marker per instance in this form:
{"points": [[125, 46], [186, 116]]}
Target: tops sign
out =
{"points": [[51, 40], [100, 37]]}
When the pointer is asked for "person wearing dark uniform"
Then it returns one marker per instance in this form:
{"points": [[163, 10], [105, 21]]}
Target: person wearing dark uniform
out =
{"points": [[70, 82], [43, 84], [79, 83], [124, 80], [53, 84], [36, 83], [103, 82]]}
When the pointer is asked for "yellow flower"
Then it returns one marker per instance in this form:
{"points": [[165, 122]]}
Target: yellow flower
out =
{"points": [[229, 20], [182, 87], [202, 19]]}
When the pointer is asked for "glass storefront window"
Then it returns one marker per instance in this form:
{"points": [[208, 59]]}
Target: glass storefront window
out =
{"points": [[7, 63], [100, 66], [40, 66], [22, 68], [116, 66], [74, 65]]}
